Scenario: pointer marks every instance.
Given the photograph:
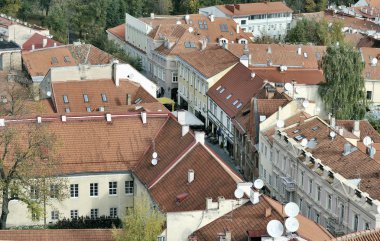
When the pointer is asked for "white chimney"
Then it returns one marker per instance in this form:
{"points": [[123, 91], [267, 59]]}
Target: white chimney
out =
{"points": [[63, 118], [108, 117], [2, 122], [55, 44], [44, 42], [185, 129], [332, 122], [237, 28], [356, 129], [190, 176], [152, 15], [143, 117], [39, 119], [299, 50], [187, 18], [200, 137], [212, 17], [341, 131], [181, 117], [116, 74], [33, 46]]}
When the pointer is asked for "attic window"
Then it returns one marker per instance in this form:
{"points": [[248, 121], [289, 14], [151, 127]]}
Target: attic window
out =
{"points": [[138, 101], [104, 97], [218, 87], [223, 27], [66, 59], [88, 109], [222, 90], [54, 60], [296, 131], [189, 44], [85, 98], [228, 97], [67, 110], [235, 102], [65, 99], [315, 128], [299, 137], [239, 105]]}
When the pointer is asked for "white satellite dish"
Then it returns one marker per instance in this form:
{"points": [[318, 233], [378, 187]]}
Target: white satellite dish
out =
{"points": [[332, 134], [48, 93], [258, 184], [191, 29], [288, 86], [304, 142], [154, 161], [292, 224], [367, 141], [305, 103], [275, 229], [239, 193], [154, 155], [280, 124], [291, 209]]}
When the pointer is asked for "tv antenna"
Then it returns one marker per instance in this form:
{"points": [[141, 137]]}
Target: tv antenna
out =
{"points": [[305, 103], [275, 229], [280, 124], [288, 87]]}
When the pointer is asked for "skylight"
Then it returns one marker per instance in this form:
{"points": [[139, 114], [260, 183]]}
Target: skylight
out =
{"points": [[67, 110], [85, 98], [88, 109], [138, 101], [54, 60], [65, 99], [223, 27], [235, 102], [239, 105], [66, 59], [222, 90], [228, 97], [189, 44], [315, 128], [219, 87], [296, 131], [104, 97], [299, 137]]}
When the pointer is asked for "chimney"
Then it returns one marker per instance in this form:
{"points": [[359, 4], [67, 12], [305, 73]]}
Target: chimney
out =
{"points": [[151, 15], [332, 122], [356, 129], [225, 45], [200, 137], [63, 118], [181, 117], [269, 93], [253, 74], [39, 119], [341, 131], [55, 44], [299, 50], [185, 129], [187, 18], [237, 28], [268, 212], [143, 117], [116, 75], [33, 46], [346, 149], [129, 99], [228, 236], [190, 176], [244, 60], [371, 151], [44, 42], [269, 50], [108, 117], [212, 17]]}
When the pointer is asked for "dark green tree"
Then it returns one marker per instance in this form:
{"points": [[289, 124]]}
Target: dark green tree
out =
{"points": [[343, 93]]}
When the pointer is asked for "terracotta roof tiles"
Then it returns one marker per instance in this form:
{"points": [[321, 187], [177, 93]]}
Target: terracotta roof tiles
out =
{"points": [[36, 40], [254, 8], [365, 235], [300, 76]]}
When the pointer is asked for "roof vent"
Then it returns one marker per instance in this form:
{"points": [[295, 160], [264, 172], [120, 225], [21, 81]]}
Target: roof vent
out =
{"points": [[143, 117], [39, 119], [190, 176], [108, 117]]}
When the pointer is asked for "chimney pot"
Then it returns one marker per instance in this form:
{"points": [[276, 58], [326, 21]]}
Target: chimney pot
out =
{"points": [[2, 122], [108, 117], [39, 119], [44, 42], [356, 129]]}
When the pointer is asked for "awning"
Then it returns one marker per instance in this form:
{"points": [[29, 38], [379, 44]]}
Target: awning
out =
{"points": [[190, 119]]}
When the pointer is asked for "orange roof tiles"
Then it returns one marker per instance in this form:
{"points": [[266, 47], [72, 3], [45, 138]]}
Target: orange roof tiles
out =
{"points": [[57, 235], [365, 235], [247, 9], [116, 96], [355, 23], [251, 218], [207, 182], [38, 62], [210, 61], [300, 76], [36, 40], [118, 31], [366, 129], [371, 72]]}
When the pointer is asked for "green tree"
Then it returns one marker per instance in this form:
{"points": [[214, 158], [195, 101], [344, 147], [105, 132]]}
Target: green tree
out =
{"points": [[45, 5], [322, 5], [343, 93], [310, 6], [141, 223], [10, 7]]}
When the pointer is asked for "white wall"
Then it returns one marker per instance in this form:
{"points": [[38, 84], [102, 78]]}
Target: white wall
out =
{"points": [[20, 33]]}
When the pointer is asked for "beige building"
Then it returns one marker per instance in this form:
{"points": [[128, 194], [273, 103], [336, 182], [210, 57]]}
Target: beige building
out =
{"points": [[10, 56]]}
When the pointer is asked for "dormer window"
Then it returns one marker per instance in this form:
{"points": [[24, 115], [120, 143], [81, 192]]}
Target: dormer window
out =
{"points": [[88, 109], [65, 99], [85, 98], [67, 110], [104, 97]]}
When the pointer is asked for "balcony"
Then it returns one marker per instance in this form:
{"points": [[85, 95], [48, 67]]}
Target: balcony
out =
{"points": [[289, 184]]}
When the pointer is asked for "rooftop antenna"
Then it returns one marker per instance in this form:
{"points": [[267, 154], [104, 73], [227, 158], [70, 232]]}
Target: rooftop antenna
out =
{"points": [[238, 193], [305, 104], [288, 87], [280, 124], [332, 134], [154, 154], [275, 229]]}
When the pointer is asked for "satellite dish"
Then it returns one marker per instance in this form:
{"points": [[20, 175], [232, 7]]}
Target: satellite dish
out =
{"points": [[258, 184], [154, 155], [48, 93], [275, 229], [305, 103], [191, 29], [332, 134], [292, 224], [239, 193], [367, 141], [304, 142], [280, 124], [154, 161], [288, 86], [291, 209]]}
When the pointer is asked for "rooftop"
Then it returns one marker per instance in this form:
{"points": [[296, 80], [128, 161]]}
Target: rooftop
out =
{"points": [[210, 61], [4, 45], [247, 9], [300, 76], [370, 57], [365, 235], [37, 41]]}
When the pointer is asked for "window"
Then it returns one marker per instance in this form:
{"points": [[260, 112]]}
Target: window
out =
{"points": [[88, 109], [160, 238], [93, 189], [74, 190], [319, 193], [128, 187], [341, 213], [302, 178], [317, 218], [73, 214], [112, 188], [356, 222], [54, 215], [85, 98], [113, 212], [53, 191], [229, 123], [67, 110], [369, 95], [221, 115], [366, 226], [309, 212], [94, 212], [65, 99], [329, 201], [301, 201], [243, 22], [34, 192], [104, 97], [310, 186], [174, 77]]}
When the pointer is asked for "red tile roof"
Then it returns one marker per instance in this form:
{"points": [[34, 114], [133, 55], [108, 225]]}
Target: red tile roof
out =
{"points": [[116, 96], [118, 31], [300, 76], [239, 86], [210, 61], [366, 129], [57, 235], [207, 182], [371, 72], [251, 218], [254, 8], [365, 235], [36, 40], [355, 23]]}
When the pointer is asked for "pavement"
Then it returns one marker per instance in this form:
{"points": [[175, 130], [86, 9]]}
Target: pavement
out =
{"points": [[222, 154]]}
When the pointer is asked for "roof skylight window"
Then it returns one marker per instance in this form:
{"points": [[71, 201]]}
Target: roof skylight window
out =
{"points": [[299, 137], [88, 109], [67, 110], [104, 97], [239, 105], [222, 90], [235, 102], [65, 99], [315, 128], [228, 97], [54, 60], [85, 98], [219, 87]]}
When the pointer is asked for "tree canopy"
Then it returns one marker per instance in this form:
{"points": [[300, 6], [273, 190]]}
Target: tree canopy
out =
{"points": [[343, 93]]}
